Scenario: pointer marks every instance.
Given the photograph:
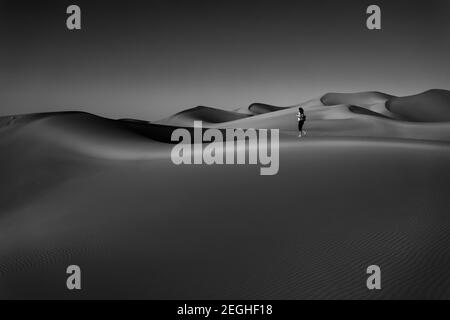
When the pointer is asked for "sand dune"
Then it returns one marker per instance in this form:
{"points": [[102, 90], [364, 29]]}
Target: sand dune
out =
{"points": [[430, 106], [346, 121], [362, 99], [115, 220], [367, 186], [206, 114], [310, 104], [286, 118], [82, 133], [261, 108]]}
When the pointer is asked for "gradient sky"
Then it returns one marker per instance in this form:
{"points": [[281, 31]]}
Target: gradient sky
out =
{"points": [[149, 59]]}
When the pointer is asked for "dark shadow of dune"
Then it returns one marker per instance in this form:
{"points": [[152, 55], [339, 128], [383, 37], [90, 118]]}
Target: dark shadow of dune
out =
{"points": [[366, 112], [163, 133], [261, 108], [136, 121], [158, 132], [430, 106]]}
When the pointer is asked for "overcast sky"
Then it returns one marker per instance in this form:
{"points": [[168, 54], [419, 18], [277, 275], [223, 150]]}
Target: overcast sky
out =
{"points": [[149, 59]]}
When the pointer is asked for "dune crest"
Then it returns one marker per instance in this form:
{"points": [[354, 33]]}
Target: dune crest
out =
{"points": [[360, 115]]}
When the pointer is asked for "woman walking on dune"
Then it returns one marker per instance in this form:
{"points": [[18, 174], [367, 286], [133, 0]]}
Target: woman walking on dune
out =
{"points": [[301, 118]]}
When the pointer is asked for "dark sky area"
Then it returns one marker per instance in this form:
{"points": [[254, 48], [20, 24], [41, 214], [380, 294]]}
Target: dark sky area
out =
{"points": [[149, 59]]}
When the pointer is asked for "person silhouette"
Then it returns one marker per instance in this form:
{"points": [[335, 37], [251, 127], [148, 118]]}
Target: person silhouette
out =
{"points": [[301, 118]]}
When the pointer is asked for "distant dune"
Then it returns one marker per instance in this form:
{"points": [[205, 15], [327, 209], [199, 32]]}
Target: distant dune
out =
{"points": [[430, 106], [367, 185], [362, 99], [206, 114]]}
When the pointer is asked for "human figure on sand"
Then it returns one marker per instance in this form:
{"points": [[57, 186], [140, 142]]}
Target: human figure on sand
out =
{"points": [[301, 118]]}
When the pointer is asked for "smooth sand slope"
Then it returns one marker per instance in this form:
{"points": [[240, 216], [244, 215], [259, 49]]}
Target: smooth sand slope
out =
{"points": [[205, 114], [364, 187], [430, 106], [363, 99]]}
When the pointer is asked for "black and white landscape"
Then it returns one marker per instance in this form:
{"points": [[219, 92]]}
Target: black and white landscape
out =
{"points": [[87, 178], [368, 185]]}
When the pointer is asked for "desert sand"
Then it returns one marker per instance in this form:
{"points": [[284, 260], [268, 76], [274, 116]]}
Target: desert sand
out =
{"points": [[368, 185]]}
